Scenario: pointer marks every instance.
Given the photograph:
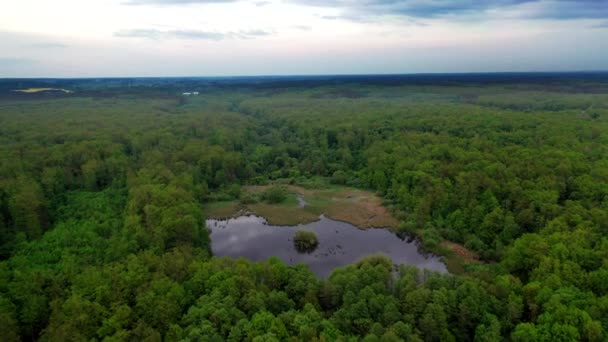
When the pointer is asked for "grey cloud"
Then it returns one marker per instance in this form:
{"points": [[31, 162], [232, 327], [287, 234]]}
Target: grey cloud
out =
{"points": [[255, 33], [49, 45], [547, 9], [302, 27], [139, 33], [175, 2], [357, 10], [12, 62], [415, 8], [28, 41], [249, 34], [570, 9], [359, 18], [190, 34], [600, 25], [193, 34]]}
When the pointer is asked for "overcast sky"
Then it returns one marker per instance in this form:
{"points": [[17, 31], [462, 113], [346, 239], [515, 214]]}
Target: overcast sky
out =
{"points": [[78, 38]]}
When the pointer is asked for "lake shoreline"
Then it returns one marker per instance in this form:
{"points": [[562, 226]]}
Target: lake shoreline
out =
{"points": [[340, 244]]}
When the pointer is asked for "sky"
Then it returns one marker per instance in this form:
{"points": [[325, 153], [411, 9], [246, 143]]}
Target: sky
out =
{"points": [[115, 38]]}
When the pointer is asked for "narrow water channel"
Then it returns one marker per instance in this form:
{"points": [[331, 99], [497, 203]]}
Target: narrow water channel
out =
{"points": [[340, 244]]}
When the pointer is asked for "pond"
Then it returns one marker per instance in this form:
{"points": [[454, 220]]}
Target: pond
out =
{"points": [[340, 244]]}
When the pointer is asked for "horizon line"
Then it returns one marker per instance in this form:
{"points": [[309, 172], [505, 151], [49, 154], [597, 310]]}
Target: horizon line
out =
{"points": [[318, 75]]}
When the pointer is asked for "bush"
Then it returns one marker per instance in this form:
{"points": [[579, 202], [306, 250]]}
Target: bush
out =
{"points": [[339, 177], [375, 260], [305, 241], [248, 198], [234, 191], [274, 194], [258, 180], [430, 238]]}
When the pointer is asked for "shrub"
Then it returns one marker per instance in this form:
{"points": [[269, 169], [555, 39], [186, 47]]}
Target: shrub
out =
{"points": [[274, 194], [305, 241], [258, 180], [234, 191], [339, 177], [430, 238], [248, 198], [375, 260]]}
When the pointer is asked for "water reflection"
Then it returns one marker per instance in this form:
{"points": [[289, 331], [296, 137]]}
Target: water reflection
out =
{"points": [[340, 244]]}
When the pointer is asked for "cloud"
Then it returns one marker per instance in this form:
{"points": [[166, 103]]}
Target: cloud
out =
{"points": [[251, 33], [600, 25], [302, 27], [27, 41], [531, 9], [49, 45], [12, 62], [414, 8], [175, 2], [570, 9], [139, 33], [362, 10], [348, 17], [190, 34]]}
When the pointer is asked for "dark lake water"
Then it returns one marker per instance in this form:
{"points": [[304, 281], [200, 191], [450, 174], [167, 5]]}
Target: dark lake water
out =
{"points": [[340, 244]]}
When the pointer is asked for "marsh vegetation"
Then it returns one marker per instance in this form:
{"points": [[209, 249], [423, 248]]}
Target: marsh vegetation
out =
{"points": [[305, 241]]}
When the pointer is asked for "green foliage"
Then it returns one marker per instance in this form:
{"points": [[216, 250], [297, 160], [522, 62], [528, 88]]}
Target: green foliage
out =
{"points": [[234, 191], [102, 235], [305, 241], [248, 198], [339, 177], [274, 194]]}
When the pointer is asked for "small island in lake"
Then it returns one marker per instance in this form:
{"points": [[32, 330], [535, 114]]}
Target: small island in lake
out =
{"points": [[305, 241]]}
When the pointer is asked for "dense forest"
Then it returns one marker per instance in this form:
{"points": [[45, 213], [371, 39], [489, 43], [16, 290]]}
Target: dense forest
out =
{"points": [[102, 190]]}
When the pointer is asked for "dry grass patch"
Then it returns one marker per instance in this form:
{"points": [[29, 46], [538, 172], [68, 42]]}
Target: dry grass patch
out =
{"points": [[461, 251], [38, 90], [223, 210], [281, 215], [360, 208], [357, 207]]}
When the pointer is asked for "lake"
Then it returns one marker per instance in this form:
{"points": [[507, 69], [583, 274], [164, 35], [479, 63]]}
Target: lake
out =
{"points": [[340, 244]]}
